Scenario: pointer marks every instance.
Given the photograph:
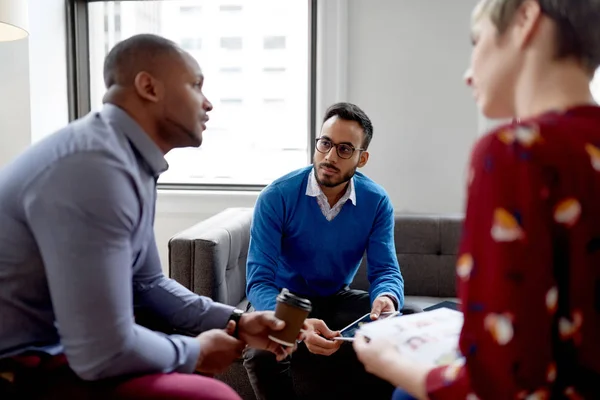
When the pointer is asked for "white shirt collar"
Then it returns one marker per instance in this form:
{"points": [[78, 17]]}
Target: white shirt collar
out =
{"points": [[314, 190]]}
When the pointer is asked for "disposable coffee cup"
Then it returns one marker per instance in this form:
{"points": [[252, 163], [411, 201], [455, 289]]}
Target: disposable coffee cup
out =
{"points": [[293, 310]]}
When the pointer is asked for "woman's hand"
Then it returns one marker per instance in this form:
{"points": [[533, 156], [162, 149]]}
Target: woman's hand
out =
{"points": [[377, 355], [381, 357]]}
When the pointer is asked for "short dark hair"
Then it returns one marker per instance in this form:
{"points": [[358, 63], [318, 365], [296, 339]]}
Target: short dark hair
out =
{"points": [[577, 28], [352, 112], [131, 56]]}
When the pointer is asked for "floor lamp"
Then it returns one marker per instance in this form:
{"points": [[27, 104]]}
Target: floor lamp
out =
{"points": [[14, 20]]}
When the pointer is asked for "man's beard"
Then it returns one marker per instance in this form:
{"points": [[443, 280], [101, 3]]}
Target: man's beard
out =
{"points": [[330, 183]]}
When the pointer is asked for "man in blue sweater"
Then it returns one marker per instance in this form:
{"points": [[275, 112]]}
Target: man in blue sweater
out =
{"points": [[309, 233]]}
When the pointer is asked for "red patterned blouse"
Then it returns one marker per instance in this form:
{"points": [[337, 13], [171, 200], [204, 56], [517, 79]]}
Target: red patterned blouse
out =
{"points": [[529, 264]]}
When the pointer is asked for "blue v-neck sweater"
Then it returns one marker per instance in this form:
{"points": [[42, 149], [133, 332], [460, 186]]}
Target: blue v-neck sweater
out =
{"points": [[293, 245]]}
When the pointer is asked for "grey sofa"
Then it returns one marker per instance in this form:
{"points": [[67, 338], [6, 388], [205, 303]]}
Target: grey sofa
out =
{"points": [[210, 259]]}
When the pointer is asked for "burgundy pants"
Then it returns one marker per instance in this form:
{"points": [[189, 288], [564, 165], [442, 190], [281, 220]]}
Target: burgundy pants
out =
{"points": [[50, 378]]}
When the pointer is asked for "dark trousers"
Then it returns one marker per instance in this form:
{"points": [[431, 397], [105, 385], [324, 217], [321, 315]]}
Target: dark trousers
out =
{"points": [[340, 375]]}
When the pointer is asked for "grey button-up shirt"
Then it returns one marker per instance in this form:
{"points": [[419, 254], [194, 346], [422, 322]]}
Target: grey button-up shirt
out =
{"points": [[77, 252]]}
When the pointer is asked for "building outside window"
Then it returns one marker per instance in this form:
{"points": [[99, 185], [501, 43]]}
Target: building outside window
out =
{"points": [[255, 58]]}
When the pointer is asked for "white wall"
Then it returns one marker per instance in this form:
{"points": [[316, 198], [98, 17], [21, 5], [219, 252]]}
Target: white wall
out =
{"points": [[406, 63], [15, 123], [48, 68], [33, 80]]}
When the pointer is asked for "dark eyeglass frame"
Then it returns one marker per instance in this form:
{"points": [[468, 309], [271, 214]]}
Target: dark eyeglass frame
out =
{"points": [[337, 147]]}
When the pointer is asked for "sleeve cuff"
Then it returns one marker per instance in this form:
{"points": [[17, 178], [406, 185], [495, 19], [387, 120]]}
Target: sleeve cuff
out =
{"points": [[217, 317], [448, 382], [435, 381], [191, 347], [391, 296]]}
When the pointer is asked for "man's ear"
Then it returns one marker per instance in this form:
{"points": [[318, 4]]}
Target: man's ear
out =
{"points": [[148, 87], [364, 157]]}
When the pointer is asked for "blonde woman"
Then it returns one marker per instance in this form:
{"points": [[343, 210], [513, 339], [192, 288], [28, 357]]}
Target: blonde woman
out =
{"points": [[529, 264]]}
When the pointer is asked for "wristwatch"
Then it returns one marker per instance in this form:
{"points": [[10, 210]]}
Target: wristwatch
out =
{"points": [[236, 316]]}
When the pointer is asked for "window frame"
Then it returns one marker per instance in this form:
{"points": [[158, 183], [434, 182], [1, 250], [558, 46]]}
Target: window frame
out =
{"points": [[78, 82]]}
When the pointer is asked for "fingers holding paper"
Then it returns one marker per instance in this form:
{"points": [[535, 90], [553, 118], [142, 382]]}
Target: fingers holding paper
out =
{"points": [[382, 304], [375, 354], [381, 357], [319, 338]]}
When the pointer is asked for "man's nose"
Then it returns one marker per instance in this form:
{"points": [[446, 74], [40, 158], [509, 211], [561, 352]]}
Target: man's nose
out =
{"points": [[207, 105], [332, 154]]}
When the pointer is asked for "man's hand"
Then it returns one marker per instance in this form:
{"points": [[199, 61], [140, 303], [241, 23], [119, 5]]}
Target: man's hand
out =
{"points": [[254, 329], [382, 304], [218, 350], [315, 342]]}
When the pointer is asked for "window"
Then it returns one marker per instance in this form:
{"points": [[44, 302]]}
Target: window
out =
{"points": [[274, 101], [191, 11], [231, 43], [117, 23], [274, 83], [274, 42], [274, 70], [262, 124], [231, 70], [231, 101], [191, 44], [231, 8]]}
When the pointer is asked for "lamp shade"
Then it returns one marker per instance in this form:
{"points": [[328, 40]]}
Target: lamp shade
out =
{"points": [[14, 20]]}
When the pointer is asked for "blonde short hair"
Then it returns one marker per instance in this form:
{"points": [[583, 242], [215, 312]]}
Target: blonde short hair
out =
{"points": [[577, 27]]}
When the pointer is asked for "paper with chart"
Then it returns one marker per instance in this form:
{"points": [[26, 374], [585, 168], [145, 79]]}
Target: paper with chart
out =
{"points": [[428, 337]]}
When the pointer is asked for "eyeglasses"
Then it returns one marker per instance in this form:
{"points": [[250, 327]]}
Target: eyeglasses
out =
{"points": [[343, 150]]}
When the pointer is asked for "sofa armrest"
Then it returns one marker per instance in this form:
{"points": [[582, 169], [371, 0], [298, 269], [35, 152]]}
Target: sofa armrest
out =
{"points": [[209, 258]]}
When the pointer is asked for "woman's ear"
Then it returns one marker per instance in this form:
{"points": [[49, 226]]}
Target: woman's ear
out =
{"points": [[526, 23]]}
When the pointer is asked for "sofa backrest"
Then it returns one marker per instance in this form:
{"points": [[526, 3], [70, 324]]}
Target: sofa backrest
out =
{"points": [[210, 257], [426, 247]]}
